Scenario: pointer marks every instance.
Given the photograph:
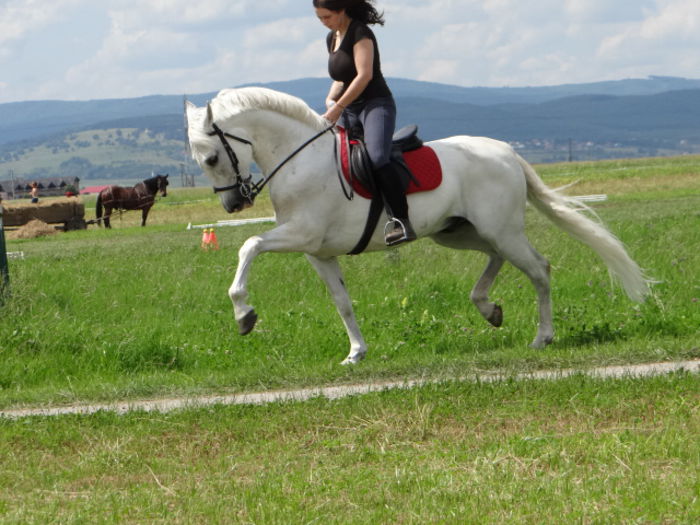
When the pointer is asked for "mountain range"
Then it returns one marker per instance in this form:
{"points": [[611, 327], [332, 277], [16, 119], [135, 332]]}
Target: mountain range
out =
{"points": [[101, 138]]}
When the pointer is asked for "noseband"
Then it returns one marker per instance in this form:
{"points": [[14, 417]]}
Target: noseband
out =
{"points": [[248, 189]]}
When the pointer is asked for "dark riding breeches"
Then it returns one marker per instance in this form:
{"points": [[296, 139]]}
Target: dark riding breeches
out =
{"points": [[377, 117]]}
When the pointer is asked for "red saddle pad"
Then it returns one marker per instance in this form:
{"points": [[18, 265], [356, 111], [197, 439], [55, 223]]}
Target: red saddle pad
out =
{"points": [[423, 163]]}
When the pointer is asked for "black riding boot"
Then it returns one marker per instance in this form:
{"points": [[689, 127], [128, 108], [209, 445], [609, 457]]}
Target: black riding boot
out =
{"points": [[399, 228]]}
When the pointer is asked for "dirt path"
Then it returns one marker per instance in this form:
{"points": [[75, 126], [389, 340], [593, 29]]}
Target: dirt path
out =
{"points": [[336, 392]]}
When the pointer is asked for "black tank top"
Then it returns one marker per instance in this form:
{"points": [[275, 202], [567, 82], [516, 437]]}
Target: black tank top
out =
{"points": [[341, 63]]}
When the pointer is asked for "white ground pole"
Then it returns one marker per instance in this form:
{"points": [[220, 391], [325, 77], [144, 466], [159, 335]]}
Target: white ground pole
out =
{"points": [[258, 220], [236, 222]]}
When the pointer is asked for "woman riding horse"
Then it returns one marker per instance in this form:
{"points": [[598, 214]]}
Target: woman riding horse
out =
{"points": [[359, 97]]}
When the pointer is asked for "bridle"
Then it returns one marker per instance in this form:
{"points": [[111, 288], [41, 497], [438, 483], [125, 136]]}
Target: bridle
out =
{"points": [[247, 188], [162, 186]]}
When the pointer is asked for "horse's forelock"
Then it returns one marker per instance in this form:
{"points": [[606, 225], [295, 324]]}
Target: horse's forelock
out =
{"points": [[198, 133]]}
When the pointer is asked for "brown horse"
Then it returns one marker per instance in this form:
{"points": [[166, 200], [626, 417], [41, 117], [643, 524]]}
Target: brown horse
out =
{"points": [[139, 197]]}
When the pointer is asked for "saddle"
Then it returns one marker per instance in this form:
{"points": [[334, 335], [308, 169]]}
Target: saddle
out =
{"points": [[407, 148], [404, 140], [417, 164]]}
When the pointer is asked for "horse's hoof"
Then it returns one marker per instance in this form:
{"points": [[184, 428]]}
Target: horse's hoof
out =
{"points": [[539, 344], [496, 317], [246, 325], [353, 359]]}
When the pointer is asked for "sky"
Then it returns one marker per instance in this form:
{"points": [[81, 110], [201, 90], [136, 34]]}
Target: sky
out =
{"points": [[96, 49]]}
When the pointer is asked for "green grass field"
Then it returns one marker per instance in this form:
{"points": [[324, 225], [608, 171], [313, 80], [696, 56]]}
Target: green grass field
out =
{"points": [[144, 312], [575, 451]]}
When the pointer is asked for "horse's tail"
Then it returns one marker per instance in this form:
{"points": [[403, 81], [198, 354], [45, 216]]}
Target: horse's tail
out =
{"points": [[98, 208], [567, 214]]}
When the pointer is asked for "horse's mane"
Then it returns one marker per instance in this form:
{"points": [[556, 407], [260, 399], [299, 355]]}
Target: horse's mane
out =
{"points": [[152, 183], [230, 102]]}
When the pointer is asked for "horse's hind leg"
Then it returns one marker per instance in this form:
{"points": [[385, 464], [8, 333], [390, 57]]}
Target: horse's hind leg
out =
{"points": [[108, 212], [518, 250], [461, 235], [329, 271], [480, 293]]}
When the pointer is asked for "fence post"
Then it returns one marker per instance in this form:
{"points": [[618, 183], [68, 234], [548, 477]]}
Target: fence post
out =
{"points": [[4, 267]]}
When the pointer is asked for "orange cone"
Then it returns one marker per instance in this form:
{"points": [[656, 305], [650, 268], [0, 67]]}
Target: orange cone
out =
{"points": [[213, 240], [205, 239]]}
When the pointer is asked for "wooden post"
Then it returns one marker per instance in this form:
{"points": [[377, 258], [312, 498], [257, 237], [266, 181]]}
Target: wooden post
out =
{"points": [[4, 267]]}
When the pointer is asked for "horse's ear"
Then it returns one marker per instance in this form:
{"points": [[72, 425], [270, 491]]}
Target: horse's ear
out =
{"points": [[210, 116], [189, 110]]}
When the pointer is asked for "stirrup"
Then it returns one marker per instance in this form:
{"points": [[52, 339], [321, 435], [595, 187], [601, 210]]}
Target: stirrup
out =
{"points": [[401, 232]]}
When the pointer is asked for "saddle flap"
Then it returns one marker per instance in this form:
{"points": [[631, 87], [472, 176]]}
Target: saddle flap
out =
{"points": [[361, 166]]}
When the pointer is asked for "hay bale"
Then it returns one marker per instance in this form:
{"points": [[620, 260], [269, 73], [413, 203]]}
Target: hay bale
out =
{"points": [[49, 211], [33, 229]]}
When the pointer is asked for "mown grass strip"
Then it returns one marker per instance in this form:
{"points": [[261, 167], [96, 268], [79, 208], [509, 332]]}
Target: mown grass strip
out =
{"points": [[341, 391]]}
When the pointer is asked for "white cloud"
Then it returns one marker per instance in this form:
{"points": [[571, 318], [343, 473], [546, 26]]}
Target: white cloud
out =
{"points": [[21, 17], [668, 38], [606, 12], [281, 33], [676, 20], [186, 13], [497, 42], [139, 47]]}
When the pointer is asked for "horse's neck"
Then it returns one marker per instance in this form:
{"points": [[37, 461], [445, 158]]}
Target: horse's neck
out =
{"points": [[142, 189], [275, 137]]}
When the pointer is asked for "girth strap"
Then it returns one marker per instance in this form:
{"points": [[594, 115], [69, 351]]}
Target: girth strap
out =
{"points": [[375, 211]]}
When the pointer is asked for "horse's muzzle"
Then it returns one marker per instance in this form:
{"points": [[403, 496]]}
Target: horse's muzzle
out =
{"points": [[233, 201]]}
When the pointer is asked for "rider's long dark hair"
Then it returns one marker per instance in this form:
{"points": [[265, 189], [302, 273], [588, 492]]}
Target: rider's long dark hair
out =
{"points": [[362, 10]]}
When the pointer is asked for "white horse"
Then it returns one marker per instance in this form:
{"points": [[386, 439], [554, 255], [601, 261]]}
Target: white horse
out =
{"points": [[480, 204]]}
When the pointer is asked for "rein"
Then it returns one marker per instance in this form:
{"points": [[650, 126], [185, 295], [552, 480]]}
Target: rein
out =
{"points": [[250, 189]]}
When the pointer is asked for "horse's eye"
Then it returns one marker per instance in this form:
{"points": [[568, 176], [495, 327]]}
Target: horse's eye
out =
{"points": [[211, 161]]}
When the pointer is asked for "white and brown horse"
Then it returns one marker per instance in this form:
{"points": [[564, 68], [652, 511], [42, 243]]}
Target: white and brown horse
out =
{"points": [[480, 204]]}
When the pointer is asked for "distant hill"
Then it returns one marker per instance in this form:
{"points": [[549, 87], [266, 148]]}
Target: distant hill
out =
{"points": [[102, 139], [27, 120], [658, 120], [24, 120], [314, 90]]}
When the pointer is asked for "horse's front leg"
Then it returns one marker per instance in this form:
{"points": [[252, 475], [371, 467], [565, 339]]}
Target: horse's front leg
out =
{"points": [[330, 272], [281, 239], [144, 215]]}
